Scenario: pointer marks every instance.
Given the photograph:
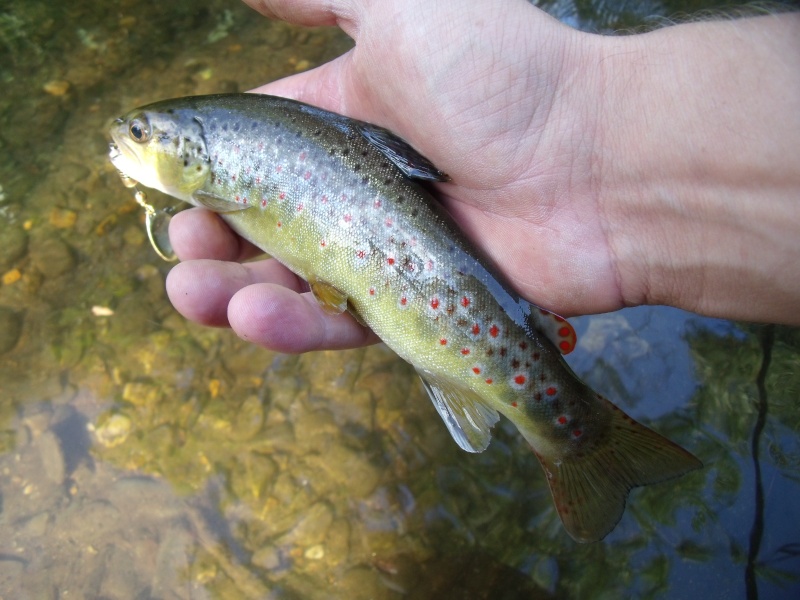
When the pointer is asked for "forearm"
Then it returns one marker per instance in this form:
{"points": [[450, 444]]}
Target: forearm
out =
{"points": [[699, 166]]}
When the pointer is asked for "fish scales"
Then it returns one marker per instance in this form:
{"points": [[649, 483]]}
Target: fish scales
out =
{"points": [[340, 203]]}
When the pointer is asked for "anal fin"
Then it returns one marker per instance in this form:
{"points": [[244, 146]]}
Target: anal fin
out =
{"points": [[465, 413]]}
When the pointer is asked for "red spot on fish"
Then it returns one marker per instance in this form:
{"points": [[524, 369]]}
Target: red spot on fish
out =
{"points": [[551, 391], [244, 200], [403, 301], [562, 420], [236, 199], [233, 177], [282, 195], [307, 175], [263, 202], [565, 346], [429, 265], [300, 207], [476, 329], [465, 351], [443, 342], [302, 156], [371, 291], [388, 222], [434, 303], [322, 243], [520, 379], [514, 404], [324, 199], [476, 370], [465, 302], [523, 346], [279, 168], [390, 261], [377, 204], [559, 319], [347, 218], [577, 433], [280, 224], [535, 356], [494, 331], [360, 254], [344, 197], [258, 180], [563, 332], [489, 381]]}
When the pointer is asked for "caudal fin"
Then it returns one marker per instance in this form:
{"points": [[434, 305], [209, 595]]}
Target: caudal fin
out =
{"points": [[589, 489]]}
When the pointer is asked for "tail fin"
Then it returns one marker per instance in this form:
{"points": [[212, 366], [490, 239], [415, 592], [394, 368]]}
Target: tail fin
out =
{"points": [[589, 490]]}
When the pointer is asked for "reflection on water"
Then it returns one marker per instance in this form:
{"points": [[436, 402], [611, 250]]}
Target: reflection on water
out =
{"points": [[144, 457]]}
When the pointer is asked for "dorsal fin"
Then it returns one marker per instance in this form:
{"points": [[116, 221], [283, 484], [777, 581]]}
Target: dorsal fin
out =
{"points": [[557, 329], [409, 161], [466, 415]]}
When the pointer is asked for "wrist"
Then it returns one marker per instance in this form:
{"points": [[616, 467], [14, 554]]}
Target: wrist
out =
{"points": [[698, 176]]}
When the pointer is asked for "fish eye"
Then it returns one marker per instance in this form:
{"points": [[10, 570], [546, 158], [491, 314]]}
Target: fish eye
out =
{"points": [[139, 130]]}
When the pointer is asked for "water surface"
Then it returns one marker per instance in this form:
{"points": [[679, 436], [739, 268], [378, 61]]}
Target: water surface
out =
{"points": [[142, 456]]}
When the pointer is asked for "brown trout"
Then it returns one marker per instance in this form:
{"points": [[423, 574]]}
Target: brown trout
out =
{"points": [[340, 202]]}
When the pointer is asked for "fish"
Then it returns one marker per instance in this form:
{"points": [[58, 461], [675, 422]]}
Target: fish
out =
{"points": [[349, 207]]}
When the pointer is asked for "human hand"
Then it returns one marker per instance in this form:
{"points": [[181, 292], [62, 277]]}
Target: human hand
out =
{"points": [[480, 93], [596, 172]]}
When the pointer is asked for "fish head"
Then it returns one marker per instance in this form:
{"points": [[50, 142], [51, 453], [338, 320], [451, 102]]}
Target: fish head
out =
{"points": [[161, 149]]}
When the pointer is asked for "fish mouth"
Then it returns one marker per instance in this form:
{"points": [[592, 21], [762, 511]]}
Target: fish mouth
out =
{"points": [[116, 156]]}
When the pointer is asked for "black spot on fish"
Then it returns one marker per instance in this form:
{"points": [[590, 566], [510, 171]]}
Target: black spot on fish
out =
{"points": [[224, 127], [318, 132], [400, 199], [185, 163], [345, 151], [388, 181], [237, 126], [414, 212], [365, 180], [254, 125], [356, 167], [364, 152]]}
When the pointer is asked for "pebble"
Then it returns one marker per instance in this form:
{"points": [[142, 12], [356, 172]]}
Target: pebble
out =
{"points": [[10, 329], [52, 457], [52, 257], [57, 87], [62, 218]]}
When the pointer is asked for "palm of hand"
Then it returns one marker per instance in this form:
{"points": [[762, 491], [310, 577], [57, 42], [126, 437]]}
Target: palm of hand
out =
{"points": [[484, 98]]}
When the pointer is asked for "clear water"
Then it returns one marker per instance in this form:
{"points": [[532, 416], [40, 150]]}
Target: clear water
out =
{"points": [[142, 456]]}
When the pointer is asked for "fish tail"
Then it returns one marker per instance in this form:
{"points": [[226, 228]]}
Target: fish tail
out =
{"points": [[590, 488]]}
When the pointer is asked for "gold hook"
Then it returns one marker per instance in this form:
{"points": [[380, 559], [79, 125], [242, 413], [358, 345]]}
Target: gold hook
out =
{"points": [[152, 217]]}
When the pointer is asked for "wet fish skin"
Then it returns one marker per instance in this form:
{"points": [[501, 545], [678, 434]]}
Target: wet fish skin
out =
{"points": [[339, 202]]}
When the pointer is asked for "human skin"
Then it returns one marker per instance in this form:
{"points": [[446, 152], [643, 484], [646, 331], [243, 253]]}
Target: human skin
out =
{"points": [[597, 172]]}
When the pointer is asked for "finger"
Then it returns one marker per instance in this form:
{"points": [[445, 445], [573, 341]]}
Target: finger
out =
{"points": [[199, 233], [311, 12], [280, 319], [201, 290]]}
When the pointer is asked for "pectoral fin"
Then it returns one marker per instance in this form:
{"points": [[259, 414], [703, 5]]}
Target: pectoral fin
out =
{"points": [[217, 203], [467, 417], [400, 152], [332, 300]]}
